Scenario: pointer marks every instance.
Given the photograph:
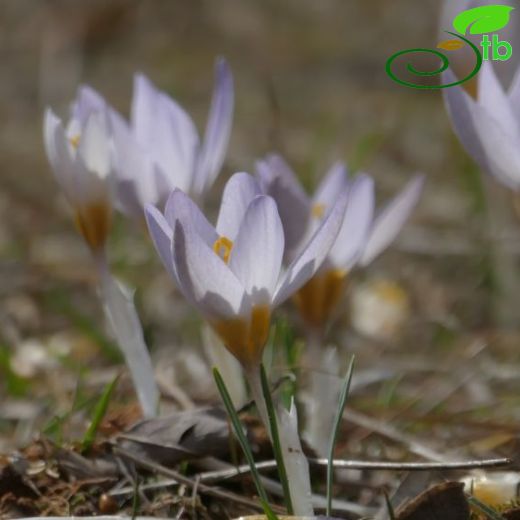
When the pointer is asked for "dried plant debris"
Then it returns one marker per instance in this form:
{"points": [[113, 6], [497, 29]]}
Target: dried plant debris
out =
{"points": [[444, 501], [178, 437]]}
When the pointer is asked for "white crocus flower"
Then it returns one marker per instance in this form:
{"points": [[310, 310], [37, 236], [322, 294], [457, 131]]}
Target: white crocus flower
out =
{"points": [[80, 158]]}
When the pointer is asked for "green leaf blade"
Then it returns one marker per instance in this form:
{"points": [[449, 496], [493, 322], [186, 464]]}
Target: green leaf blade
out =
{"points": [[335, 430], [99, 412], [244, 444], [273, 425]]}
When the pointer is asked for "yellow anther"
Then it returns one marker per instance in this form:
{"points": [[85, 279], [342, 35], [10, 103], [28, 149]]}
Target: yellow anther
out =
{"points": [[223, 247], [318, 210], [74, 141]]}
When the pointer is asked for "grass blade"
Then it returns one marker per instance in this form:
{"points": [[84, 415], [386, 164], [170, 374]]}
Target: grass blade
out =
{"points": [[275, 437], [237, 427], [335, 430], [389, 506], [491, 513], [99, 412]]}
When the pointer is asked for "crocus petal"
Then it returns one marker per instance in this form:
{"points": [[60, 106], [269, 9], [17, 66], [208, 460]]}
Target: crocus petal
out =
{"points": [[356, 223], [500, 146], [239, 191], [180, 207], [161, 234], [460, 107], [334, 182], [58, 153], [218, 128], [390, 221], [87, 101], [139, 179], [280, 182], [94, 146], [164, 128], [256, 257], [204, 278], [315, 252], [492, 97], [514, 95]]}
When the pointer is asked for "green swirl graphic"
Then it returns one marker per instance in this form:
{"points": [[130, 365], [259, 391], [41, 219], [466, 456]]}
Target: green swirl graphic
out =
{"points": [[444, 65]]}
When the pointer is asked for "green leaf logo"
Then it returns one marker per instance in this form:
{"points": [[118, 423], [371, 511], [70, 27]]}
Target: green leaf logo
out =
{"points": [[484, 19]]}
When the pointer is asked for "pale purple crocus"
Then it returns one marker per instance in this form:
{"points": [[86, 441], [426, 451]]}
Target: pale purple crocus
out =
{"points": [[79, 154], [363, 234], [488, 126], [233, 272], [160, 149]]}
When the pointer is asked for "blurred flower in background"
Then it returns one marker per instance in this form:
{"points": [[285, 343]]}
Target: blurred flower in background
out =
{"points": [[488, 125], [160, 149], [79, 154], [362, 237]]}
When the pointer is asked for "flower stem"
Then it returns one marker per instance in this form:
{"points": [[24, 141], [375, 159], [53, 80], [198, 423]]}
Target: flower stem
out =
{"points": [[122, 315], [297, 466]]}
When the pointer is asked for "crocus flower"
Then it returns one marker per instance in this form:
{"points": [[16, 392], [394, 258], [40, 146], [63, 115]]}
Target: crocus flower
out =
{"points": [[159, 149], [362, 236], [489, 126], [80, 159], [233, 272]]}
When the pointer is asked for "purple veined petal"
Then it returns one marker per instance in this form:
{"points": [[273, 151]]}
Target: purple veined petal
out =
{"points": [[166, 130], [460, 107], [87, 101], [280, 182], [143, 112], [280, 169], [264, 175], [94, 146], [514, 95], [240, 190], [91, 161], [59, 155], [501, 147], [304, 267], [90, 188], [256, 257], [178, 143], [391, 219], [218, 128], [204, 279], [139, 180], [334, 182], [162, 235], [492, 97], [127, 199], [356, 224], [180, 207]]}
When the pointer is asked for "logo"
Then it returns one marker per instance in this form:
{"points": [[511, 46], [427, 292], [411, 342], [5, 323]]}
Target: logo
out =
{"points": [[482, 20]]}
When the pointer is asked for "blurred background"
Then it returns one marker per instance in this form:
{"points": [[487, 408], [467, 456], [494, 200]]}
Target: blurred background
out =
{"points": [[310, 83]]}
